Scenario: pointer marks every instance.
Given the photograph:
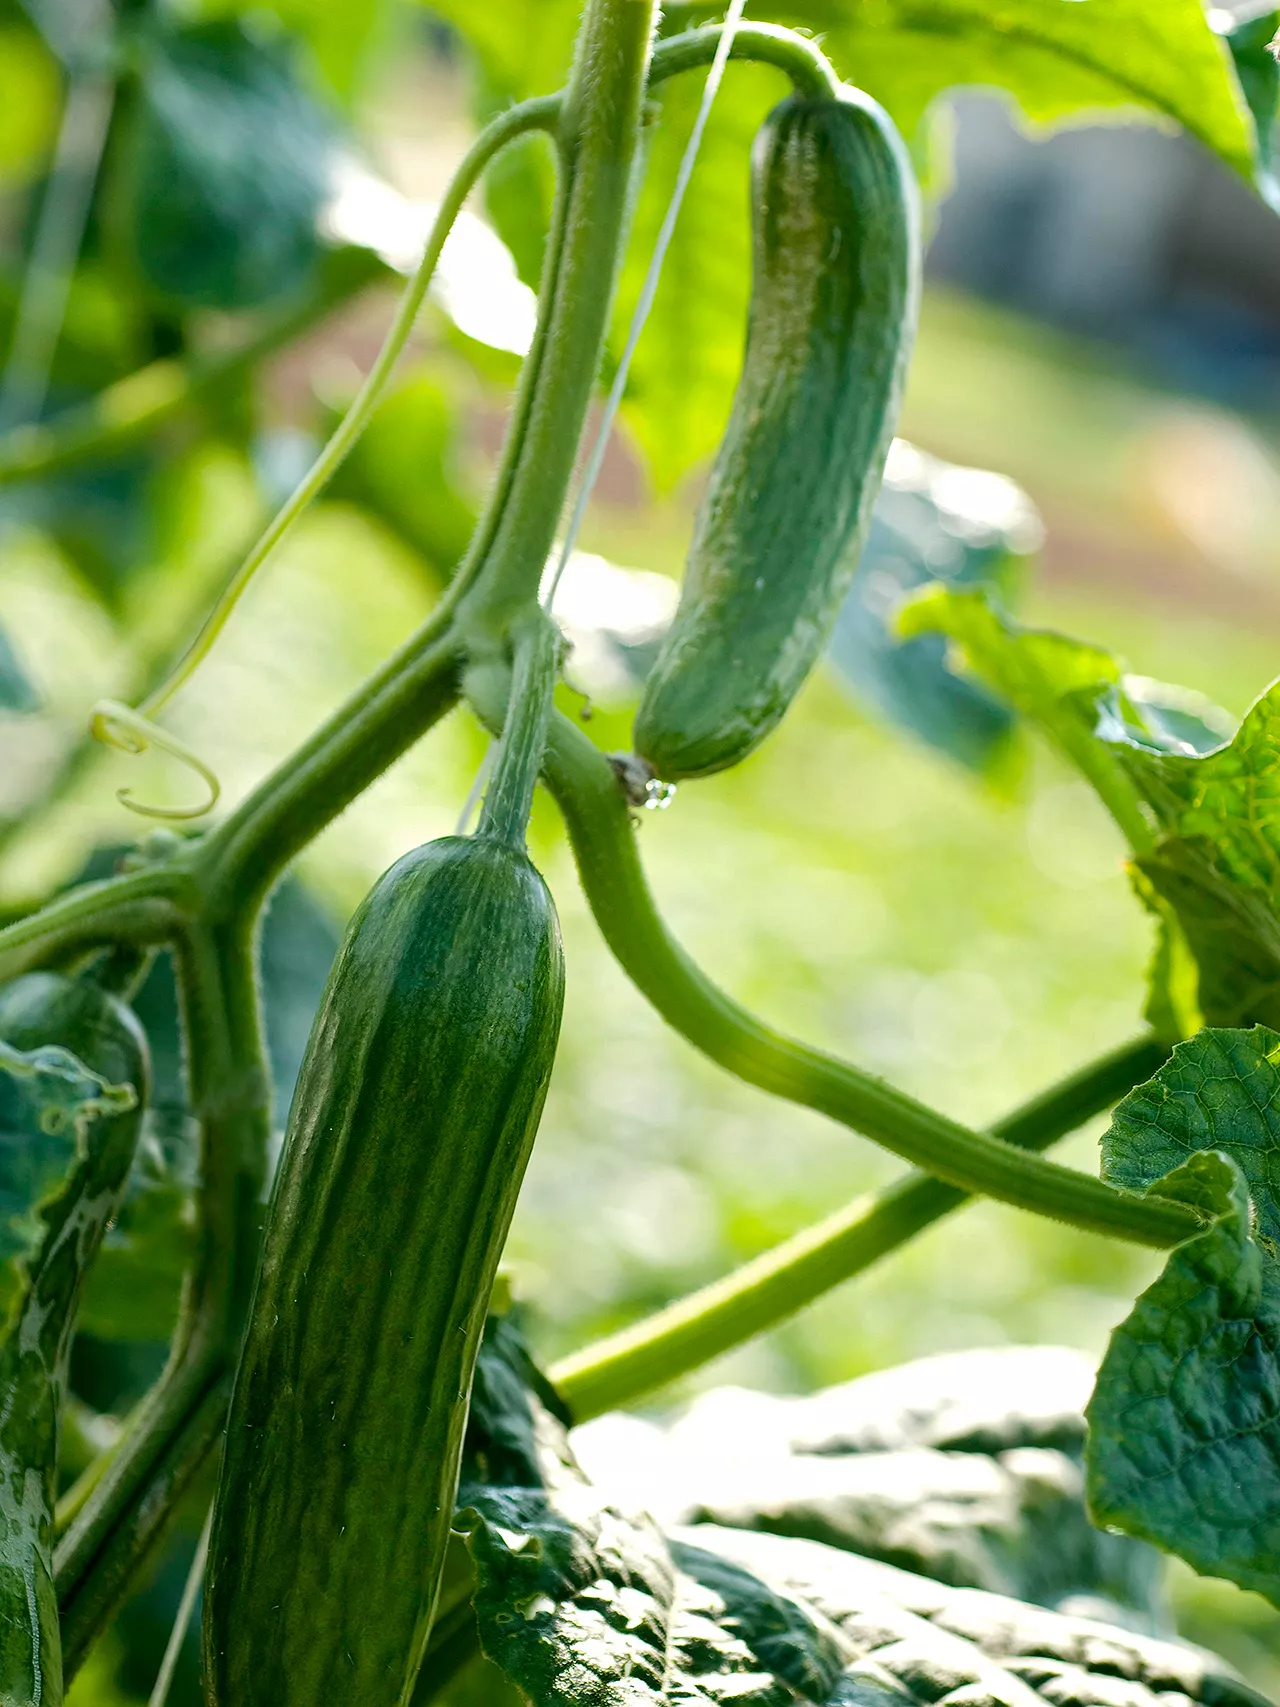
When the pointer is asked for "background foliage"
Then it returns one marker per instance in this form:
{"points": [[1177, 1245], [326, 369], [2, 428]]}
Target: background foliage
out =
{"points": [[969, 937]]}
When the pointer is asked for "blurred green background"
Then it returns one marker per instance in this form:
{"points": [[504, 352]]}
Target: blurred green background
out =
{"points": [[969, 938]]}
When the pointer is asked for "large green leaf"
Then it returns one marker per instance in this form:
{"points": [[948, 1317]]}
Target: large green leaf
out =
{"points": [[687, 363], [933, 521], [1217, 863], [1056, 58], [1048, 678], [905, 1639], [1220, 1091], [1202, 813], [586, 1602], [1249, 43], [964, 1467], [582, 1596], [1184, 1426], [49, 1100], [578, 1602]]}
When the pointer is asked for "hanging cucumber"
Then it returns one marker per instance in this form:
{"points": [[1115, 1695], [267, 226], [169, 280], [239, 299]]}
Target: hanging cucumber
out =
{"points": [[781, 527], [411, 1125], [74, 1076]]}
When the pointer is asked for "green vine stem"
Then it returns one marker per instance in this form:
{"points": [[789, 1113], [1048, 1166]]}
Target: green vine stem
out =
{"points": [[509, 798], [89, 1601], [145, 908], [803, 60], [598, 136], [500, 575], [122, 1519], [595, 813], [627, 1365]]}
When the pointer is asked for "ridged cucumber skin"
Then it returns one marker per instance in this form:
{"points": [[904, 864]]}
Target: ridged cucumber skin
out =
{"points": [[411, 1125], [100, 1031], [834, 302]]}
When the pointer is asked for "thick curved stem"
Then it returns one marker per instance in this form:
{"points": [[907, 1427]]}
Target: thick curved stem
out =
{"points": [[87, 1602], [143, 909], [600, 830], [802, 60], [627, 1365], [509, 798], [123, 1518]]}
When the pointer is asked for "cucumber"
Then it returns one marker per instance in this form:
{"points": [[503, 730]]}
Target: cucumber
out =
{"points": [[411, 1125], [87, 1041], [783, 521]]}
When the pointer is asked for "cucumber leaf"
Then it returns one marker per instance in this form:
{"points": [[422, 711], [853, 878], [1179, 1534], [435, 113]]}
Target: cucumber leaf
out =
{"points": [[906, 1639], [1249, 44], [1184, 1425], [1220, 1092], [509, 1395], [1214, 864], [580, 1600], [48, 1101], [582, 1596], [1049, 679], [132, 1291], [1057, 59], [227, 168], [964, 1467], [933, 521], [1200, 811]]}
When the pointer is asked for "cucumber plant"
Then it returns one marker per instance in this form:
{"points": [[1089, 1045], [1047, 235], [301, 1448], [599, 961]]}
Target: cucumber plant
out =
{"points": [[392, 1488]]}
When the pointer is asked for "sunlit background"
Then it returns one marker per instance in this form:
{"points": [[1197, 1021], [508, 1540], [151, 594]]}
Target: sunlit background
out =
{"points": [[1102, 325]]}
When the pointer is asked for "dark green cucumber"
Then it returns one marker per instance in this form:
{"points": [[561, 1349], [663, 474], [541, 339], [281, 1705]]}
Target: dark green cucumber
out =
{"points": [[407, 1141], [78, 1034], [780, 530]]}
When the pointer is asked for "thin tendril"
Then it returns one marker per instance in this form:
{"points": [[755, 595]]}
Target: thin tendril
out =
{"points": [[534, 115], [186, 1606], [110, 718], [128, 731], [648, 293]]}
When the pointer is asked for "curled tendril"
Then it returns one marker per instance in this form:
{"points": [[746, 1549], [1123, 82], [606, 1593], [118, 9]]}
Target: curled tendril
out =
{"points": [[128, 731]]}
